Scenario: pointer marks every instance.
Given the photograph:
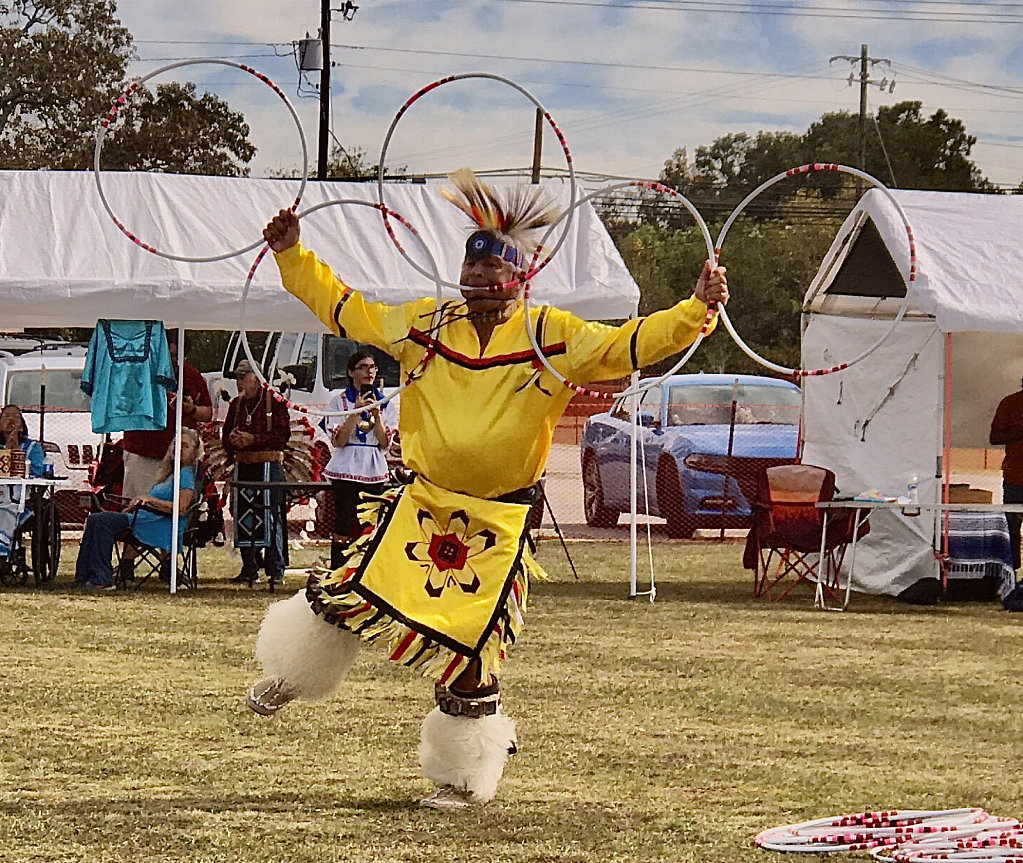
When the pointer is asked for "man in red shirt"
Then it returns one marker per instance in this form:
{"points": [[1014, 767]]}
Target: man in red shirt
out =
{"points": [[1007, 431], [144, 450]]}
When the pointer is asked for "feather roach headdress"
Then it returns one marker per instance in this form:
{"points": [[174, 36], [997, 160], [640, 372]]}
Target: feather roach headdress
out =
{"points": [[504, 222]]}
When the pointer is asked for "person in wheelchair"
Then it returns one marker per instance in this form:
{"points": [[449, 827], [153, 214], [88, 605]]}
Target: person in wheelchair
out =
{"points": [[14, 436], [148, 518]]}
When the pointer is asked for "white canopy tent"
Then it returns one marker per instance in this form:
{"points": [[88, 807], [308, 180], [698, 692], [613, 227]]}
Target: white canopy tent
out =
{"points": [[64, 263], [934, 384]]}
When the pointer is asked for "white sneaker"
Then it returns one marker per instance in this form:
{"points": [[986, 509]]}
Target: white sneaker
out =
{"points": [[447, 797], [269, 695]]}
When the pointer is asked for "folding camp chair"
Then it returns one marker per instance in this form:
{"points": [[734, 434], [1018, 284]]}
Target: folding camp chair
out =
{"points": [[201, 519], [786, 544]]}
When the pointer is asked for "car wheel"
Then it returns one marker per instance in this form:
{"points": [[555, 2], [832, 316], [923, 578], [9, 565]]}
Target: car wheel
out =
{"points": [[597, 515], [670, 504]]}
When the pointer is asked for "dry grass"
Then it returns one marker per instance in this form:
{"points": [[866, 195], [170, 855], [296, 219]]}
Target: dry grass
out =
{"points": [[666, 731]]}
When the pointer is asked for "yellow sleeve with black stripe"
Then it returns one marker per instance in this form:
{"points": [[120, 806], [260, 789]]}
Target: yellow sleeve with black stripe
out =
{"points": [[597, 352], [341, 308]]}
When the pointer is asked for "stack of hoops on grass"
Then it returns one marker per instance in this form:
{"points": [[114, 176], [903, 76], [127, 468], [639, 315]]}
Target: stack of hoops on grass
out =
{"points": [[904, 836]]}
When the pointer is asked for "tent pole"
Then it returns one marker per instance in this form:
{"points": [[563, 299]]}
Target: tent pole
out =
{"points": [[633, 423], [946, 458], [175, 507]]}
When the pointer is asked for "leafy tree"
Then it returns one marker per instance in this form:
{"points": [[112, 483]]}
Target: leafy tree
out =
{"points": [[161, 132], [349, 163], [924, 152], [64, 63]]}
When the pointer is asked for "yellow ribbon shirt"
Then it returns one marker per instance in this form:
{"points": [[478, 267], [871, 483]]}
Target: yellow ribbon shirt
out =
{"points": [[481, 422]]}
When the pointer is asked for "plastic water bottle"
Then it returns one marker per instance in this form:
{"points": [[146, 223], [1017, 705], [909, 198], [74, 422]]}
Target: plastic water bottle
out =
{"points": [[48, 466], [911, 492]]}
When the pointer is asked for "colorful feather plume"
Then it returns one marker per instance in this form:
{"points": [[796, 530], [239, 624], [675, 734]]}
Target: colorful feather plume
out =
{"points": [[524, 209]]}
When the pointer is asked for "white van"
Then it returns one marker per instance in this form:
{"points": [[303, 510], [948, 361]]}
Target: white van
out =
{"points": [[306, 368], [68, 438]]}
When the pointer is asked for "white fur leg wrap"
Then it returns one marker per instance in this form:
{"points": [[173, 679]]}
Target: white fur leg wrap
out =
{"points": [[312, 656], [466, 753]]}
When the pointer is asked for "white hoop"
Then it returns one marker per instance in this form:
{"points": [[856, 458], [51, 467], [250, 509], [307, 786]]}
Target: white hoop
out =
{"points": [[520, 280], [804, 169], [653, 382], [433, 324], [122, 100]]}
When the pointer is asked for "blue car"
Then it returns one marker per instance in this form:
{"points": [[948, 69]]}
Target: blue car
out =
{"points": [[703, 440]]}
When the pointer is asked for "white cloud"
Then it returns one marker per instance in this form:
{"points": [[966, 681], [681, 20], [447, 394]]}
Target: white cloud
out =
{"points": [[626, 119]]}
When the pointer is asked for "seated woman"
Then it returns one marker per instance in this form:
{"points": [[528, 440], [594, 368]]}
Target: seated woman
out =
{"points": [[14, 435], [148, 517]]}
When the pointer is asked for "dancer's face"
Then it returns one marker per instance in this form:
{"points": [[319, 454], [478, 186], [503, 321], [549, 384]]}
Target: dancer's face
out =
{"points": [[484, 273]]}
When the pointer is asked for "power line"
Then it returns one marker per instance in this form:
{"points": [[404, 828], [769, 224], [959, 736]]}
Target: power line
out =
{"points": [[559, 61], [746, 8]]}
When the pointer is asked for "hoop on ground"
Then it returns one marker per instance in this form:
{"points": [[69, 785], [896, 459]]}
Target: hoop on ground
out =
{"points": [[884, 830], [415, 97], [435, 320], [650, 384], [122, 100], [806, 169]]}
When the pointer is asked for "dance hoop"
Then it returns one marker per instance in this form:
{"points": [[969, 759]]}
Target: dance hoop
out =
{"points": [[412, 375], [987, 846], [879, 830], [653, 382], [805, 169], [415, 97], [111, 115]]}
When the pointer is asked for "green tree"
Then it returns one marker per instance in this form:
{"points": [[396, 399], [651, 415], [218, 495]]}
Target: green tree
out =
{"points": [[770, 265], [347, 163], [162, 131], [924, 152], [64, 63]]}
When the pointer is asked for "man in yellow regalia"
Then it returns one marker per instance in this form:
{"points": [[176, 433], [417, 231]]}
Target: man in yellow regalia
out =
{"points": [[442, 573]]}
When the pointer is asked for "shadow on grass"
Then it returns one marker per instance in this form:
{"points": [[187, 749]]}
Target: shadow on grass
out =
{"points": [[730, 593], [163, 806]]}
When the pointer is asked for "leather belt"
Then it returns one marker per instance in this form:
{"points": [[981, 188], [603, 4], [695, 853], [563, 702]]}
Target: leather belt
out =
{"points": [[259, 457]]}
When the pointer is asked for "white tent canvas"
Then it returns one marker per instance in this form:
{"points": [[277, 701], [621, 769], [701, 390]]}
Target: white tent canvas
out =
{"points": [[64, 263], [883, 420]]}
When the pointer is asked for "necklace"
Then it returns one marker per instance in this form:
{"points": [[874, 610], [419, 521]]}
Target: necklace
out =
{"points": [[249, 414]]}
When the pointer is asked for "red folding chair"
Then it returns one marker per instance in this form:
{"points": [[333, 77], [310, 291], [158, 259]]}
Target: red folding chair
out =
{"points": [[783, 547]]}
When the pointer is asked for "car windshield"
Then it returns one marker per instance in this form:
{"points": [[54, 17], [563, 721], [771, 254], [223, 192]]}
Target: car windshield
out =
{"points": [[336, 352], [63, 390], [711, 404]]}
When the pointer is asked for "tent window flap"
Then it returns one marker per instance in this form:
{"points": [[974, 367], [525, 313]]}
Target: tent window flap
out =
{"points": [[868, 270]]}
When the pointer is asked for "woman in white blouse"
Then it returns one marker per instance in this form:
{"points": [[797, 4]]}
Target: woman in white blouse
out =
{"points": [[358, 464]]}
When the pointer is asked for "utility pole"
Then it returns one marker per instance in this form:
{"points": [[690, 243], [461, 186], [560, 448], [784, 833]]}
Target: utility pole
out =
{"points": [[866, 62], [323, 146], [347, 10]]}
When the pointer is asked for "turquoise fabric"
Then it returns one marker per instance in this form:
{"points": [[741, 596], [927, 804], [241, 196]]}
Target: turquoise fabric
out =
{"points": [[155, 528], [128, 371]]}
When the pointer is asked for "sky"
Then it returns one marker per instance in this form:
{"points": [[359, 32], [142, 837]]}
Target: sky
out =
{"points": [[626, 81]]}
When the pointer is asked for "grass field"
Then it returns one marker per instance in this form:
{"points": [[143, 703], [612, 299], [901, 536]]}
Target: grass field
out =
{"points": [[673, 730]]}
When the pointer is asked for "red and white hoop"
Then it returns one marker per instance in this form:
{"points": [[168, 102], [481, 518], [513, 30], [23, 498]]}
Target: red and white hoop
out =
{"points": [[111, 116], [805, 169], [415, 97]]}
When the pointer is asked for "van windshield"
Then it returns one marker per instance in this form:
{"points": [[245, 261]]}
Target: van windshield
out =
{"points": [[336, 352], [63, 390]]}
